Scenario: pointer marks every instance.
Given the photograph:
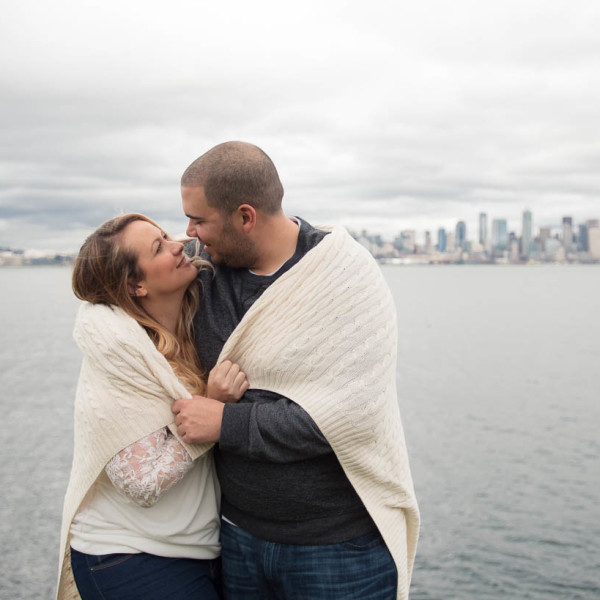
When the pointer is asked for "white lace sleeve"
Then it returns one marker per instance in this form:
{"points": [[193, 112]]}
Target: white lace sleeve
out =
{"points": [[149, 467]]}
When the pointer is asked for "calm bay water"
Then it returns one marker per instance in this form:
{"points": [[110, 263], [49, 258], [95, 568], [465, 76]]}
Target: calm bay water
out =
{"points": [[498, 387]]}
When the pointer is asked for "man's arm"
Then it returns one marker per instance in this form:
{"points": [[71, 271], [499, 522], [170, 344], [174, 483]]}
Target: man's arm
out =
{"points": [[264, 426]]}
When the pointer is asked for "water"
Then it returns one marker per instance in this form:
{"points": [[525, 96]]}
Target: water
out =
{"points": [[499, 394], [39, 363], [498, 377]]}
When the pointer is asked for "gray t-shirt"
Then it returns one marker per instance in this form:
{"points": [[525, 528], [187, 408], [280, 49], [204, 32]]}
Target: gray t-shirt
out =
{"points": [[280, 479]]}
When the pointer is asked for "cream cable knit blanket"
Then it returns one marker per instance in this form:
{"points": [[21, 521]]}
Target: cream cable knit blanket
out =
{"points": [[124, 393], [325, 336]]}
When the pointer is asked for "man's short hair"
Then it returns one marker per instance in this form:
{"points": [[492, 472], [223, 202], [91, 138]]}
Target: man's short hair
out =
{"points": [[235, 173]]}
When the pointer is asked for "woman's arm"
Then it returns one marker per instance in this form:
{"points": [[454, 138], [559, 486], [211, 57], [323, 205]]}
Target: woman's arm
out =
{"points": [[149, 467]]}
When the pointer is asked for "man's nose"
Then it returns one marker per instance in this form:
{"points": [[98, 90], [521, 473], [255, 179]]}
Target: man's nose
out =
{"points": [[191, 230]]}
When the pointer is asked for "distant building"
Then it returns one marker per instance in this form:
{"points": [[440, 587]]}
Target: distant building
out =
{"points": [[499, 235], [9, 258], [427, 242], [589, 224], [526, 234], [514, 249], [545, 234], [408, 240], [554, 250], [593, 238], [387, 249], [582, 241], [460, 236], [450, 246], [441, 245], [483, 234], [476, 249], [535, 250], [567, 231]]}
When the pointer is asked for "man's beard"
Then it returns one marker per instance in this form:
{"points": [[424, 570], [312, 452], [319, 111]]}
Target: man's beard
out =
{"points": [[235, 250]]}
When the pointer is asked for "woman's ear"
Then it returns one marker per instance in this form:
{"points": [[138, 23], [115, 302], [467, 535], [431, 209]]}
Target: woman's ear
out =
{"points": [[136, 290]]}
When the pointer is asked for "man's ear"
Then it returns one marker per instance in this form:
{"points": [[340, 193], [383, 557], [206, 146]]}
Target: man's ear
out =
{"points": [[248, 217], [137, 290]]}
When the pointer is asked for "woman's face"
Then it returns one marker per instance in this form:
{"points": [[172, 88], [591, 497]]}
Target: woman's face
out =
{"points": [[166, 269]]}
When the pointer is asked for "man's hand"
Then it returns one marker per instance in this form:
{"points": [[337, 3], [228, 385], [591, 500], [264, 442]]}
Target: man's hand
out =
{"points": [[226, 382], [198, 419]]}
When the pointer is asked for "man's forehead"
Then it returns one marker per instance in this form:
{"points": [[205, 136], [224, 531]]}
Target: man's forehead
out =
{"points": [[193, 196], [195, 205], [196, 191]]}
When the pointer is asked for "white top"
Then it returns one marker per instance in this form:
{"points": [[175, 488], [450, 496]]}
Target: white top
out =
{"points": [[152, 497]]}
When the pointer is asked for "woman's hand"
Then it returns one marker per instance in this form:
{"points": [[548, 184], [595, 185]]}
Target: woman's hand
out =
{"points": [[198, 419], [226, 382]]}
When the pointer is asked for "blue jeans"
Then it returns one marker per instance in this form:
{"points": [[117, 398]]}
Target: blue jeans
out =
{"points": [[145, 577], [253, 569]]}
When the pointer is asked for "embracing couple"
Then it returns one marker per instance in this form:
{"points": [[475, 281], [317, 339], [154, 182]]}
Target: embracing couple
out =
{"points": [[237, 431]]}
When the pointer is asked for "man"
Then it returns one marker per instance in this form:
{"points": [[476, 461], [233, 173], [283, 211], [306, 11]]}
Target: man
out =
{"points": [[318, 500]]}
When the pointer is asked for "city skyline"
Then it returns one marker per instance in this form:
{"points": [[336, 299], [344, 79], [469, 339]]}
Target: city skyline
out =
{"points": [[472, 233], [494, 242]]}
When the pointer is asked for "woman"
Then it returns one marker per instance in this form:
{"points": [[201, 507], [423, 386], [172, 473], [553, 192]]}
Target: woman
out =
{"points": [[140, 518]]}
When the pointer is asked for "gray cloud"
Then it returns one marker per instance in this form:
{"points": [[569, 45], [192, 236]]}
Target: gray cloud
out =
{"points": [[382, 116]]}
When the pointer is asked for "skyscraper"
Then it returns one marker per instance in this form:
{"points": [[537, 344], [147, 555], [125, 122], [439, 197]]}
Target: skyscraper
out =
{"points": [[590, 224], [441, 240], [582, 238], [483, 230], [513, 246], [592, 227], [544, 235], [427, 242], [499, 235], [567, 230], [526, 234], [460, 234]]}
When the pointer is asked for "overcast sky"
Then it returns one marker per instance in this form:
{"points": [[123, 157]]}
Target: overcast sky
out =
{"points": [[378, 115]]}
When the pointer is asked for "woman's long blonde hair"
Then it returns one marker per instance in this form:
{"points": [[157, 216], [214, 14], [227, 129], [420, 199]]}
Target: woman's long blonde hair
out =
{"points": [[104, 273]]}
